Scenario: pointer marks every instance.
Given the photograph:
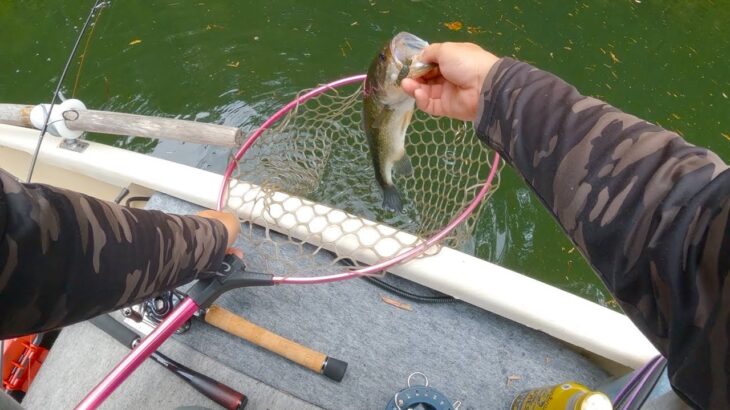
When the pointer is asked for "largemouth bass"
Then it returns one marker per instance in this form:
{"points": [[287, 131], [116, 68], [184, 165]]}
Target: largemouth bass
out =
{"points": [[387, 111]]}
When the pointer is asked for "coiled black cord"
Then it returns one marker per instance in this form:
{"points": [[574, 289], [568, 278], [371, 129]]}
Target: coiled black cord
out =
{"points": [[409, 295], [402, 292]]}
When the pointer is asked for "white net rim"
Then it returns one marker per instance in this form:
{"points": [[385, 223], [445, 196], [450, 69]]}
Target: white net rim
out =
{"points": [[378, 267]]}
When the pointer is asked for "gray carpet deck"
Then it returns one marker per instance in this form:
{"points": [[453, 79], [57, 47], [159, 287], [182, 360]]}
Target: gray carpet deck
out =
{"points": [[83, 355], [467, 353]]}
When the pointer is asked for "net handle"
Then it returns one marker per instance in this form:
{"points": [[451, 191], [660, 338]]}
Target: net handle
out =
{"points": [[378, 267]]}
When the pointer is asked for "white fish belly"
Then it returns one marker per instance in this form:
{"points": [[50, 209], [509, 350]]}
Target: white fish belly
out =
{"points": [[396, 128]]}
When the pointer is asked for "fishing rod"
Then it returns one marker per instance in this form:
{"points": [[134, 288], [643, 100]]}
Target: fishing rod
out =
{"points": [[232, 275], [210, 388], [154, 310], [98, 5]]}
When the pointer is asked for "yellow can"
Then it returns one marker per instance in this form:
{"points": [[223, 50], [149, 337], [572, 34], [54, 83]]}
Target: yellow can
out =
{"points": [[566, 396]]}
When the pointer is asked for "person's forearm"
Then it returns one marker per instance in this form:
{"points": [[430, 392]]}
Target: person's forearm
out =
{"points": [[648, 210], [66, 257]]}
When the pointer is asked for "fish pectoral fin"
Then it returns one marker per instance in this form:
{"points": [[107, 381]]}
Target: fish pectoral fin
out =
{"points": [[403, 166]]}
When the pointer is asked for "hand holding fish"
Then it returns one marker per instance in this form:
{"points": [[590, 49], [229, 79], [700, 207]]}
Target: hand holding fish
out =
{"points": [[452, 90]]}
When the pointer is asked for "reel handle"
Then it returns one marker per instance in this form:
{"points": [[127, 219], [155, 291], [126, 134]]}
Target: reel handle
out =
{"points": [[302, 355]]}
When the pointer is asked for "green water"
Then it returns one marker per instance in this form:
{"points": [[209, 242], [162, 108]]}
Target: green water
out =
{"points": [[232, 62]]}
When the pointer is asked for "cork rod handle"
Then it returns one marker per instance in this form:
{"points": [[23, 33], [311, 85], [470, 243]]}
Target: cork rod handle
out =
{"points": [[302, 355]]}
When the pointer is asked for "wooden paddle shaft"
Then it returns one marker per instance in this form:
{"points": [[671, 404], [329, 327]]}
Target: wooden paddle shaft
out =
{"points": [[16, 114], [302, 355], [116, 123]]}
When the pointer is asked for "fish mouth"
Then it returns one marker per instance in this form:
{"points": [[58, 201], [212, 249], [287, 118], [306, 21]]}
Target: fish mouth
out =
{"points": [[406, 49]]}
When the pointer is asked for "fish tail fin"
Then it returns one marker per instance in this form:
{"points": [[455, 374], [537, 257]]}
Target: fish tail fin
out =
{"points": [[392, 200]]}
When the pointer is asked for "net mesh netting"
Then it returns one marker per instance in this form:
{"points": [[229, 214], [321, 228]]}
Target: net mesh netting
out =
{"points": [[307, 197]]}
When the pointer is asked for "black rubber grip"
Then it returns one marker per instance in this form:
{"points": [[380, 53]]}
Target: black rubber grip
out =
{"points": [[213, 389], [115, 330], [334, 368]]}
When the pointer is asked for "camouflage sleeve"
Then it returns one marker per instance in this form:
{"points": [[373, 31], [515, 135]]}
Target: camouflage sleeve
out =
{"points": [[67, 257], [648, 211]]}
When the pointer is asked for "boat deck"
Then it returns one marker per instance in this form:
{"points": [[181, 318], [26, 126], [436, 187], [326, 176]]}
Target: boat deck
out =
{"points": [[467, 353]]}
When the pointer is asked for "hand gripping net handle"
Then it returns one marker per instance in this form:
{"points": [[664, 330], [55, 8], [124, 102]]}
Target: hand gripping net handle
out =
{"points": [[367, 270]]}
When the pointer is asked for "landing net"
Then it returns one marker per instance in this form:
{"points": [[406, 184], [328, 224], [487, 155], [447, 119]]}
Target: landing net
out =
{"points": [[303, 186]]}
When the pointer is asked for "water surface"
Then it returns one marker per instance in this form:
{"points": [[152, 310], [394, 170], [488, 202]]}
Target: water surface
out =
{"points": [[234, 62]]}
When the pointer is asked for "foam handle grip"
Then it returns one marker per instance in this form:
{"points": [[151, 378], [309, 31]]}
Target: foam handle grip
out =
{"points": [[302, 355]]}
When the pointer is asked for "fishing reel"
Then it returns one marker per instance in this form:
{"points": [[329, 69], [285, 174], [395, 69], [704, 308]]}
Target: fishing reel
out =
{"points": [[146, 316], [151, 312], [421, 397]]}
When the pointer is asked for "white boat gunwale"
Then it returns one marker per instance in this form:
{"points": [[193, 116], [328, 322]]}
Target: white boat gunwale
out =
{"points": [[574, 320]]}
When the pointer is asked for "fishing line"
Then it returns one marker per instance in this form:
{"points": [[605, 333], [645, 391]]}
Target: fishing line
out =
{"points": [[83, 54], [98, 4]]}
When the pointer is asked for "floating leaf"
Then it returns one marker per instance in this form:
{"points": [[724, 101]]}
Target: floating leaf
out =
{"points": [[474, 30], [396, 303], [513, 378], [454, 25], [135, 42], [234, 64], [727, 136], [614, 58]]}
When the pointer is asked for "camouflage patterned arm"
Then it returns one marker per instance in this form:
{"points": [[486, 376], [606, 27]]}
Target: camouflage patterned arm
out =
{"points": [[67, 257], [648, 210]]}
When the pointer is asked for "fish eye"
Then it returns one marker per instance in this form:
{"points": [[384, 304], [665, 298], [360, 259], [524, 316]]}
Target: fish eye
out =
{"points": [[382, 56]]}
